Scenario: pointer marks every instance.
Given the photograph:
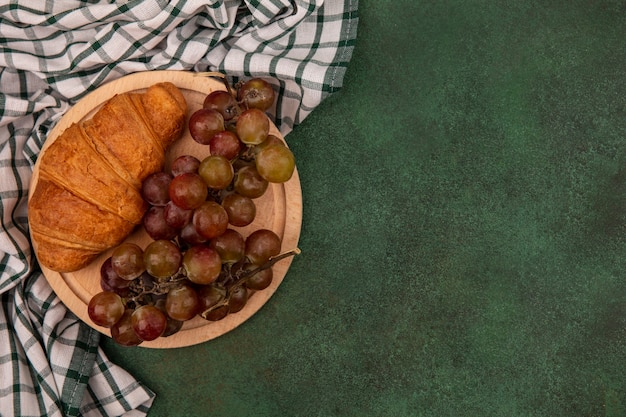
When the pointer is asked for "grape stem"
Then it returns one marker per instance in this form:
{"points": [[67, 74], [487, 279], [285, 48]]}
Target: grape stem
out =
{"points": [[241, 279], [159, 288], [266, 265]]}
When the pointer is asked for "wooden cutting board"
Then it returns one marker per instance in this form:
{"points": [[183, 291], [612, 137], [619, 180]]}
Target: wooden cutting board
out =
{"points": [[280, 210]]}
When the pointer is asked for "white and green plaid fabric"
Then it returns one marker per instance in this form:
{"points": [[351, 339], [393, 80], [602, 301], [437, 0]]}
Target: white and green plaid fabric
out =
{"points": [[54, 52]]}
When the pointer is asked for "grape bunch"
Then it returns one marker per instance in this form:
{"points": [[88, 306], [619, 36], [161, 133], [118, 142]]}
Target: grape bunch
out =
{"points": [[198, 263]]}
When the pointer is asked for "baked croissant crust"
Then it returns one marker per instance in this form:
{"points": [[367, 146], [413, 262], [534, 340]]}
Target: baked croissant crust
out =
{"points": [[88, 196]]}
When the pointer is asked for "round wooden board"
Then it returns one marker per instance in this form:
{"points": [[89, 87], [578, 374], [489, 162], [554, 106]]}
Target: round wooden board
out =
{"points": [[280, 210]]}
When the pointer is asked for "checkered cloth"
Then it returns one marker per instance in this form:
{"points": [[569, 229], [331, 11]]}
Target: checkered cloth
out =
{"points": [[51, 55]]}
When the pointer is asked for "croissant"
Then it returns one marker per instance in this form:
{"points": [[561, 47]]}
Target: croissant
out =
{"points": [[88, 195]]}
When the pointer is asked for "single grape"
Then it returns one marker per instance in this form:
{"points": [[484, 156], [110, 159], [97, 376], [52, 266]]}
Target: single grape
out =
{"points": [[175, 216], [105, 308], [148, 322], [271, 140], [110, 281], [253, 126], [249, 183], [210, 220], [261, 245], [223, 102], [185, 164], [256, 93], [173, 326], [190, 235], [154, 188], [275, 163], [225, 144], [182, 303], [162, 258], [188, 191], [230, 245], [216, 313], [241, 210], [155, 225], [122, 331], [127, 261], [216, 171], [204, 123], [260, 280], [209, 296], [237, 299], [202, 264]]}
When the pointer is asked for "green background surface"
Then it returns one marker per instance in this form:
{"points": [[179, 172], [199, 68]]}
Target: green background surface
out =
{"points": [[463, 232]]}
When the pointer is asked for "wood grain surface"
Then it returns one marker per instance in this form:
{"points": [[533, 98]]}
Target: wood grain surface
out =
{"points": [[280, 210]]}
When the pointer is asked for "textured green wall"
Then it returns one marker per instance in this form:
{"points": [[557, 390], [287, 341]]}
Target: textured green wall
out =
{"points": [[463, 238]]}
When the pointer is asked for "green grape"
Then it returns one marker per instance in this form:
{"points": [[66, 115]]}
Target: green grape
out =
{"points": [[253, 126], [105, 308], [127, 261], [256, 93], [216, 171], [202, 264], [275, 163], [162, 259]]}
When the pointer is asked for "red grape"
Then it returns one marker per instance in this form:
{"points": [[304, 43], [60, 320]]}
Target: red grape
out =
{"points": [[237, 299], [241, 210], [226, 144], [230, 245], [148, 322], [210, 220], [260, 280], [249, 183], [182, 303], [122, 331], [154, 188], [127, 261], [185, 164], [204, 123], [261, 245], [175, 216], [209, 296], [188, 191], [223, 102], [110, 281], [105, 308], [202, 264], [155, 225]]}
